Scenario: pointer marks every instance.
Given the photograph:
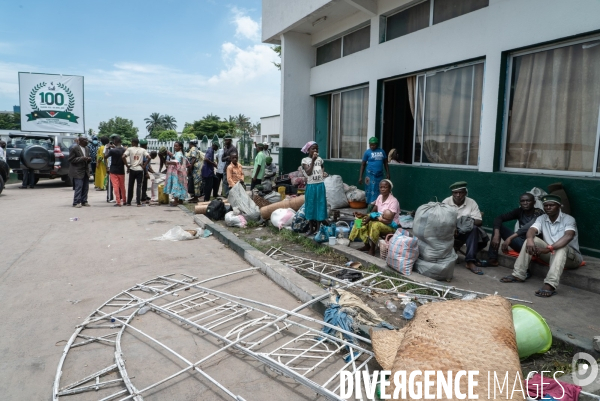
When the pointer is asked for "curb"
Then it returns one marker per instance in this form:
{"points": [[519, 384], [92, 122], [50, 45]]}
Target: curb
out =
{"points": [[558, 333], [300, 287]]}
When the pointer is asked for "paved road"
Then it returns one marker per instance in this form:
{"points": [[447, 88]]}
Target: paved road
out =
{"points": [[48, 261]]}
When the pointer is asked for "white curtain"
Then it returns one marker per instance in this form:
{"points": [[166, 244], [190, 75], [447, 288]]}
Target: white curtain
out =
{"points": [[452, 111], [554, 115], [351, 135]]}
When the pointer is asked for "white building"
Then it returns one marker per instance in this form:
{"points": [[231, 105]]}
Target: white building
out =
{"points": [[504, 94]]}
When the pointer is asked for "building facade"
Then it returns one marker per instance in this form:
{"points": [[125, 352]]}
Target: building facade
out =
{"points": [[504, 94]]}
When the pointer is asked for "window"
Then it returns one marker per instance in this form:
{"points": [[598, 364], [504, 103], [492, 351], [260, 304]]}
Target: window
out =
{"points": [[346, 45], [329, 52], [444, 10], [348, 133], [420, 16], [553, 110], [407, 21], [448, 116]]}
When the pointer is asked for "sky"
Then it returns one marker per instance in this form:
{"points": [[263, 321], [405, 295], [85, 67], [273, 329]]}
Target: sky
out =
{"points": [[185, 58]]}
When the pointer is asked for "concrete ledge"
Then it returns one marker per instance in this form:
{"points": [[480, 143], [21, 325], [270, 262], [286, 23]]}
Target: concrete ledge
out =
{"points": [[300, 287]]}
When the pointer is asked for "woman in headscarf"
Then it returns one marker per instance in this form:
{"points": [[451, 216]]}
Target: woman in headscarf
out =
{"points": [[100, 173], [372, 229], [176, 181], [315, 203], [374, 160]]}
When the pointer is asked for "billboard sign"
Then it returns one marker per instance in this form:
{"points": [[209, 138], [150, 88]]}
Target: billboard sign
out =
{"points": [[51, 103]]}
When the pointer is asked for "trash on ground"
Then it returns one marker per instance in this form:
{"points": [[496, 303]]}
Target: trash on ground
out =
{"points": [[283, 218], [178, 234], [235, 219], [409, 310], [74, 219]]}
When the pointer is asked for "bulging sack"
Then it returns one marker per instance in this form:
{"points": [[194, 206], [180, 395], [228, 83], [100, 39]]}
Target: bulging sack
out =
{"points": [[240, 199], [334, 190], [434, 226], [403, 252], [440, 269], [283, 218], [234, 219], [215, 210]]}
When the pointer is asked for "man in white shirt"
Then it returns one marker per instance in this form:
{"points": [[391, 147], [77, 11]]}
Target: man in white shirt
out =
{"points": [[133, 158], [466, 207], [559, 246], [2, 150]]}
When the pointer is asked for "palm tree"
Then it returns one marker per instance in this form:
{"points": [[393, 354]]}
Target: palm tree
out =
{"points": [[154, 122], [212, 117], [242, 122], [169, 122]]}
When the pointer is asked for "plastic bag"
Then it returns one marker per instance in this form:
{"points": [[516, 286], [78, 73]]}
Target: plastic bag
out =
{"points": [[356, 195], [233, 219], [434, 226], [324, 233], [273, 197], [178, 234], [240, 199], [406, 221], [299, 222], [334, 191], [403, 252], [283, 218], [440, 269]]}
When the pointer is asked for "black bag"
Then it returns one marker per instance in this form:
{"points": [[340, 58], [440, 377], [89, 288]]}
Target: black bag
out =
{"points": [[215, 210]]}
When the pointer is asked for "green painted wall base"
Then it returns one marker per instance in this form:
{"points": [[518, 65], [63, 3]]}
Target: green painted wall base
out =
{"points": [[494, 192]]}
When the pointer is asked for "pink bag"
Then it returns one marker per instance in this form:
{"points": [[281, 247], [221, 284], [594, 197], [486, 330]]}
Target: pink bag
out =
{"points": [[403, 252]]}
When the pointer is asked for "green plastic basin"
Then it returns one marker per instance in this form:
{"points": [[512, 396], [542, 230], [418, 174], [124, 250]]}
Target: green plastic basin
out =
{"points": [[533, 333]]}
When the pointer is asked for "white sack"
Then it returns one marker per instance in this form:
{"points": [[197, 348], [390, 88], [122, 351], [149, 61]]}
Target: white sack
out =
{"points": [[434, 226], [233, 219], [240, 199], [356, 195], [440, 269], [334, 190], [273, 197], [283, 218]]}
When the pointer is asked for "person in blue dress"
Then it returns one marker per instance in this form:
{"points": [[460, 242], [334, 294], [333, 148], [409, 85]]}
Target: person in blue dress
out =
{"points": [[374, 160]]}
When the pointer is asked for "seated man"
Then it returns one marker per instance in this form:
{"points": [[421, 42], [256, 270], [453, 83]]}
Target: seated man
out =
{"points": [[467, 207], [559, 246], [526, 215]]}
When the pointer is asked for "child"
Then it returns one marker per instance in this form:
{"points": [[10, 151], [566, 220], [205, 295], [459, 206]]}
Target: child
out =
{"points": [[315, 203], [387, 218]]}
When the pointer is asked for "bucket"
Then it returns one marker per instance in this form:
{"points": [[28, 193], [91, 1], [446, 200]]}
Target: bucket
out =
{"points": [[532, 331], [332, 241], [343, 228]]}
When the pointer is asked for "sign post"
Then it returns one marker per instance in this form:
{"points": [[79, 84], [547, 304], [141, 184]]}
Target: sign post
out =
{"points": [[51, 103]]}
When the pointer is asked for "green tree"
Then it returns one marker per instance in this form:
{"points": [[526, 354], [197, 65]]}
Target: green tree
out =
{"points": [[210, 125], [10, 121], [167, 135], [154, 123], [169, 122], [184, 137], [120, 126], [277, 49]]}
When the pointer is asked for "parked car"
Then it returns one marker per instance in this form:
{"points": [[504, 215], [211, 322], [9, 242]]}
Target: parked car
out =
{"points": [[46, 154], [4, 172]]}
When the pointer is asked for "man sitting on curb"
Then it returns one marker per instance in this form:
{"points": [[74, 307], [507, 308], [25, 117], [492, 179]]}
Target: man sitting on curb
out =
{"points": [[468, 208], [525, 215], [559, 247]]}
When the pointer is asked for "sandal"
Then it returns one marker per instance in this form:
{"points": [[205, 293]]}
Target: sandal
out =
{"points": [[475, 270], [486, 263], [544, 293], [511, 279]]}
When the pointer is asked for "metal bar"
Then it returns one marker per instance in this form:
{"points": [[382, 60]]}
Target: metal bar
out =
{"points": [[102, 372], [94, 387]]}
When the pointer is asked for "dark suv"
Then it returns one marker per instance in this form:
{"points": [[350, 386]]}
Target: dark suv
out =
{"points": [[46, 154]]}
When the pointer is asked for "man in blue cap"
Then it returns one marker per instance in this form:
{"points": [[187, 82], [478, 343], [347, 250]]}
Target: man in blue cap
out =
{"points": [[559, 246], [468, 222]]}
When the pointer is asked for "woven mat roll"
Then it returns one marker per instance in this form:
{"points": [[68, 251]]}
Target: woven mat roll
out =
{"points": [[200, 209], [460, 335], [385, 345], [294, 203]]}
